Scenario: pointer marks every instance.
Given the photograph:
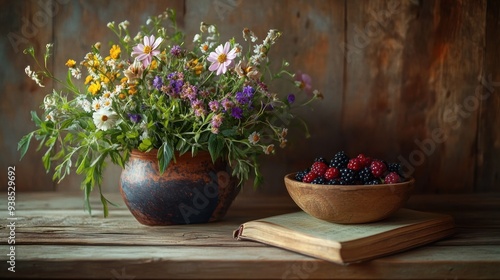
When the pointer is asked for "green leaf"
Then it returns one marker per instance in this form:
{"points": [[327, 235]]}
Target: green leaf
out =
{"points": [[165, 155], [229, 132], [24, 143], [215, 146], [145, 145], [131, 134], [36, 119], [84, 164], [46, 159], [70, 84], [87, 187], [104, 202]]}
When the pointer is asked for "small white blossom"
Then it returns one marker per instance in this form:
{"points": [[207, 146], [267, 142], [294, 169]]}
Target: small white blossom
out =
{"points": [[106, 102], [96, 104], [254, 138], [48, 102], [124, 24], [76, 72], [84, 104], [50, 116], [196, 38], [34, 76]]}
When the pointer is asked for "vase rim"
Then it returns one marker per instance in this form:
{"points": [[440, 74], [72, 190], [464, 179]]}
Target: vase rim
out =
{"points": [[152, 154]]}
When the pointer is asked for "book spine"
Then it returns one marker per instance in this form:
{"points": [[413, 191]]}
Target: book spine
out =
{"points": [[238, 232]]}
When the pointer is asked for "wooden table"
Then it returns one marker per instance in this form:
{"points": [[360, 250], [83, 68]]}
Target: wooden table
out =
{"points": [[55, 239]]}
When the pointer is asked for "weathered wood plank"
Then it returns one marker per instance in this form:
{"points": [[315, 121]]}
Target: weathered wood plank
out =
{"points": [[443, 58], [23, 23], [374, 49], [488, 145], [45, 217], [172, 262]]}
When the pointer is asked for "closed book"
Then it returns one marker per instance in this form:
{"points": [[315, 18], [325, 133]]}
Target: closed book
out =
{"points": [[343, 244]]}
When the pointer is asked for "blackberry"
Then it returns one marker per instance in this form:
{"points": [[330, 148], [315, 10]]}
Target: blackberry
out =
{"points": [[333, 182], [365, 175], [396, 167], [321, 159], [299, 176], [319, 181], [340, 160], [348, 176], [374, 182]]}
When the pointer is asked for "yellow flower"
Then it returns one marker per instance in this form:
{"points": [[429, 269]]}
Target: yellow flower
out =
{"points": [[132, 90], [115, 52], [153, 65], [104, 78], [88, 79], [94, 88], [70, 63], [195, 66]]}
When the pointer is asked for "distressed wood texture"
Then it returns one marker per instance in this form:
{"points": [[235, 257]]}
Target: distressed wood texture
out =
{"points": [[415, 81], [55, 239]]}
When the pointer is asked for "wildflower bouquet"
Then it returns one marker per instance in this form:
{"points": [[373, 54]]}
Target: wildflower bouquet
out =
{"points": [[152, 92]]}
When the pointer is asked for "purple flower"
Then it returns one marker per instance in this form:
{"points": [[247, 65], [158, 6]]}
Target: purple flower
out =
{"points": [[198, 107], [216, 122], [237, 112], [214, 105], [291, 98], [227, 104], [189, 92], [246, 96], [248, 90], [157, 82], [135, 118], [176, 51], [176, 81], [241, 98]]}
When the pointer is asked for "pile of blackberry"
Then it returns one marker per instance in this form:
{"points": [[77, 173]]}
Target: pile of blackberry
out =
{"points": [[343, 170]]}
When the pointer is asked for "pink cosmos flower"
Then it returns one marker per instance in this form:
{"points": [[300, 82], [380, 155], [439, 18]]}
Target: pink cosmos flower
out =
{"points": [[303, 81], [146, 51], [222, 58]]}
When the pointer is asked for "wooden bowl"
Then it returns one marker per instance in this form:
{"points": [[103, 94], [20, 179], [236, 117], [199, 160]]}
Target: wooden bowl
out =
{"points": [[349, 204]]}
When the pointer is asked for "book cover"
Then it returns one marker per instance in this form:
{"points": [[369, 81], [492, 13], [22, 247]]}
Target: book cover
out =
{"points": [[302, 233]]}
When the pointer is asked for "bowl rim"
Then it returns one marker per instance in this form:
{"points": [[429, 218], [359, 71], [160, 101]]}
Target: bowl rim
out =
{"points": [[290, 178]]}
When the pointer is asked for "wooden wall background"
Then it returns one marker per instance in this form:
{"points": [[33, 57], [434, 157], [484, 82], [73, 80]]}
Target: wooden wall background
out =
{"points": [[416, 80]]}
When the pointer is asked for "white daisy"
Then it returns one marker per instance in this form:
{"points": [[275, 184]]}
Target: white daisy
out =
{"points": [[105, 119], [254, 138]]}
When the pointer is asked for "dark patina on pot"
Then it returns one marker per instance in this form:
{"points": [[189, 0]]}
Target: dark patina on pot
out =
{"points": [[191, 190]]}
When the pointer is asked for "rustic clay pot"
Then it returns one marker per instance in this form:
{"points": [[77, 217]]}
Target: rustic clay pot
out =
{"points": [[346, 204], [191, 190]]}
